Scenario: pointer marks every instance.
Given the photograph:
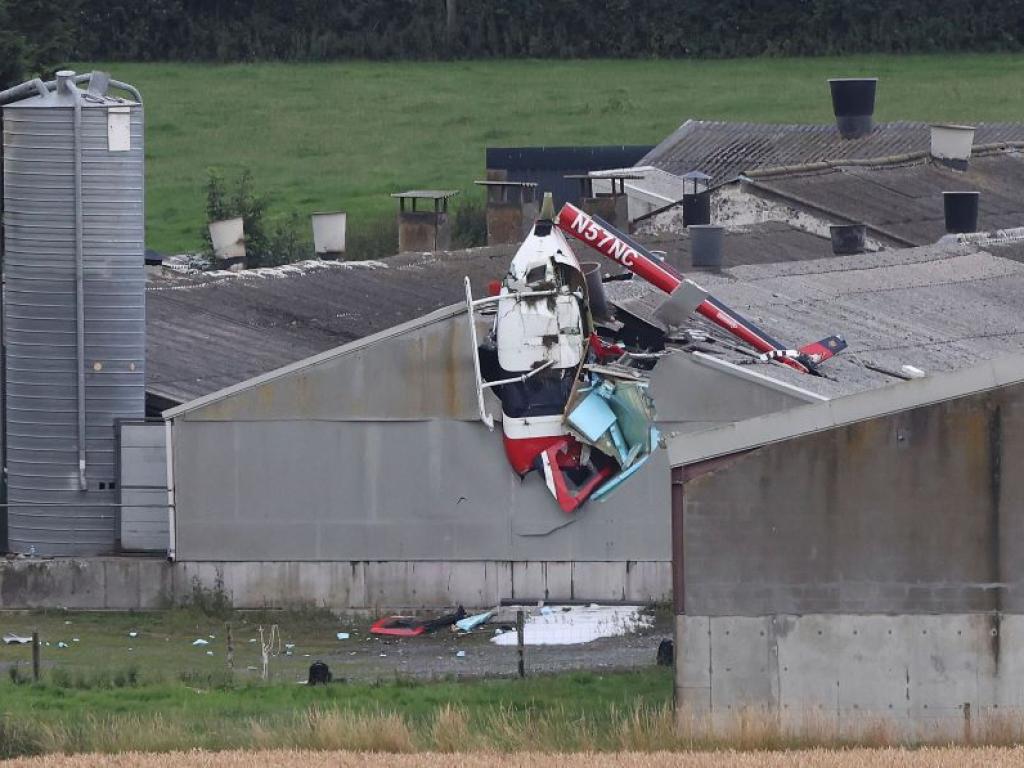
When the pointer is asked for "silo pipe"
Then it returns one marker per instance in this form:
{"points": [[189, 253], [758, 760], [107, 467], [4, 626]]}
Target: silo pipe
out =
{"points": [[24, 90], [72, 88], [136, 94]]}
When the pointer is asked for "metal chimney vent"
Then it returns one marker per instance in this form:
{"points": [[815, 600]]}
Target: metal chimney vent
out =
{"points": [[952, 144], [961, 211], [853, 102], [847, 238]]}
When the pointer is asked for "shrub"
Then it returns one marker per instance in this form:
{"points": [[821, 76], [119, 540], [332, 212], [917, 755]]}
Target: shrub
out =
{"points": [[469, 227]]}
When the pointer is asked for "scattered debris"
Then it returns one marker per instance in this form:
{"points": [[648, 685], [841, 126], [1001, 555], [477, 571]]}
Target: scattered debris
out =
{"points": [[408, 626], [470, 623], [200, 641], [572, 625], [913, 372], [12, 639], [342, 635], [62, 644]]}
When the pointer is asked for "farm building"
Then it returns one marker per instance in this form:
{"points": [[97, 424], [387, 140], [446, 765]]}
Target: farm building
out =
{"points": [[362, 476], [318, 437], [856, 559]]}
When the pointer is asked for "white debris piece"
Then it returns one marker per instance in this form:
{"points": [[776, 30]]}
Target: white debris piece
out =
{"points": [[461, 654], [342, 635], [913, 372], [11, 639], [133, 634], [62, 644], [209, 653], [74, 639], [578, 624], [200, 641]]}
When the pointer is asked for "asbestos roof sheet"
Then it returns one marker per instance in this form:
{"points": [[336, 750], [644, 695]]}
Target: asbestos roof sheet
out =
{"points": [[905, 200], [939, 308], [209, 331], [727, 150]]}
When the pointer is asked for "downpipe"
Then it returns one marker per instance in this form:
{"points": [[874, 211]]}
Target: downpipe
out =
{"points": [[66, 79], [171, 538]]}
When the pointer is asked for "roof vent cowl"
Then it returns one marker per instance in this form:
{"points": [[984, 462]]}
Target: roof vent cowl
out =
{"points": [[961, 211], [853, 102], [951, 145]]}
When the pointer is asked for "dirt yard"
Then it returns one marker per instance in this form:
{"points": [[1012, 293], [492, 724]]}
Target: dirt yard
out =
{"points": [[856, 758]]}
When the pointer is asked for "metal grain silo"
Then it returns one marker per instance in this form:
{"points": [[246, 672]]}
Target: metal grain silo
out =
{"points": [[74, 307]]}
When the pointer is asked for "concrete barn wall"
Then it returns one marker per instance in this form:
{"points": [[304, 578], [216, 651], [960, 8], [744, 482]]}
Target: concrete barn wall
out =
{"points": [[874, 568], [136, 583], [377, 455]]}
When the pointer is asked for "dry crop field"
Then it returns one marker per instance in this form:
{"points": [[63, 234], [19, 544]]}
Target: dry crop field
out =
{"points": [[818, 758]]}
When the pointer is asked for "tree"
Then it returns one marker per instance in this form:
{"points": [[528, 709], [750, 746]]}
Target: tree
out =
{"points": [[12, 51]]}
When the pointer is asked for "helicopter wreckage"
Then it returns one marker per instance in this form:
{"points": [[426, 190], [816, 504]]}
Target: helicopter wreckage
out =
{"points": [[573, 387]]}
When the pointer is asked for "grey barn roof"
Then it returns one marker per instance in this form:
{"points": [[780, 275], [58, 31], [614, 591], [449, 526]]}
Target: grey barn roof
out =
{"points": [[693, 447], [206, 332], [902, 202], [939, 308], [211, 331], [726, 150]]}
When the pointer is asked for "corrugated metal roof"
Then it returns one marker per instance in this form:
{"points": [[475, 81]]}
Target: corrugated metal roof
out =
{"points": [[905, 199], [207, 332], [940, 308], [211, 331], [726, 150], [776, 427]]}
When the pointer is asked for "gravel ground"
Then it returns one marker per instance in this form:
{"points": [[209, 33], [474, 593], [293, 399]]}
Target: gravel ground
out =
{"points": [[366, 657]]}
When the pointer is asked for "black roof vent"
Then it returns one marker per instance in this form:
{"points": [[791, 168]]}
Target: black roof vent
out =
{"points": [[853, 102]]}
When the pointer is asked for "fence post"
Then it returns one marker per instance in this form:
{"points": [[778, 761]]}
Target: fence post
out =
{"points": [[520, 642], [35, 656], [231, 648]]}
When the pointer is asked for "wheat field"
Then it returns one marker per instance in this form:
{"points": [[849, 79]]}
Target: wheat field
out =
{"points": [[818, 758]]}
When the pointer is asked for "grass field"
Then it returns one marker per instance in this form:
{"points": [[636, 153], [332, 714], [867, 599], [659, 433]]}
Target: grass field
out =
{"points": [[343, 136], [135, 683]]}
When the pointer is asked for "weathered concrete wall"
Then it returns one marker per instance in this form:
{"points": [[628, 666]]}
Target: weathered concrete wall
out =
{"points": [[915, 673], [916, 512], [133, 583], [874, 569]]}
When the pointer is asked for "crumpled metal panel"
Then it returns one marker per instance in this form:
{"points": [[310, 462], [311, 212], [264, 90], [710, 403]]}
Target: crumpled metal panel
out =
{"points": [[40, 319]]}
